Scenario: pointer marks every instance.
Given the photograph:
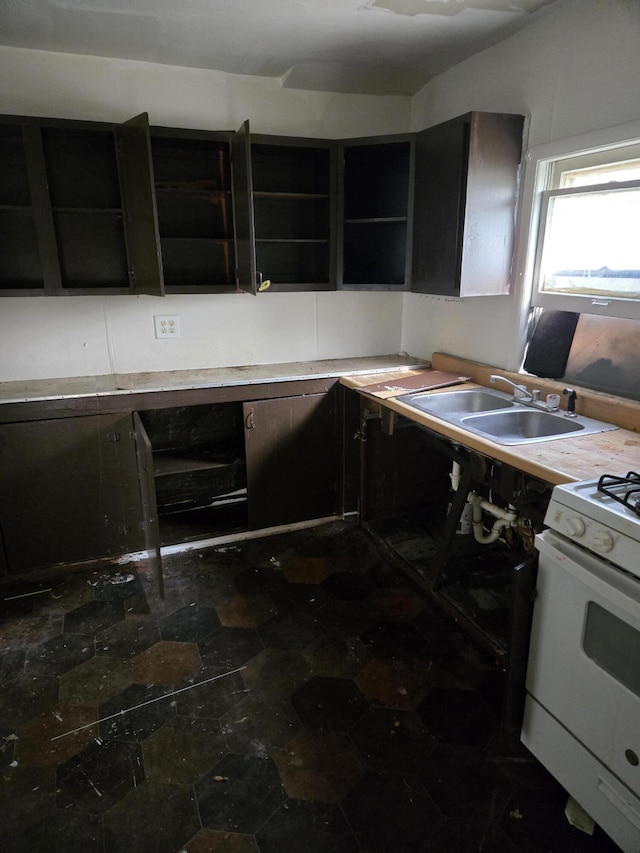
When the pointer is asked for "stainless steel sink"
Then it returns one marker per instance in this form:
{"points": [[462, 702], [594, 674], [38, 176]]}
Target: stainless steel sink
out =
{"points": [[520, 425], [459, 402], [496, 416]]}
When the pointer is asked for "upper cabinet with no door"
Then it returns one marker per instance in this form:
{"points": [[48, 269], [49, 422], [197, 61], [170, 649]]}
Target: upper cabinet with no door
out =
{"points": [[466, 187], [294, 212], [376, 195]]}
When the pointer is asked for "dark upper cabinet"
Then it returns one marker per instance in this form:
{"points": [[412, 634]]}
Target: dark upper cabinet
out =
{"points": [[201, 181], [97, 208], [466, 186], [68, 217], [294, 212], [87, 207], [375, 211]]}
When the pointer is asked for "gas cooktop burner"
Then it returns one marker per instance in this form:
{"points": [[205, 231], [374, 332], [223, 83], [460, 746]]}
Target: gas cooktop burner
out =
{"points": [[625, 490]]}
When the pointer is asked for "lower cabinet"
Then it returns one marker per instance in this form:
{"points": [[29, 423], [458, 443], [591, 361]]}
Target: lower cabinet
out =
{"points": [[195, 480], [69, 491], [220, 468], [87, 487], [293, 459]]}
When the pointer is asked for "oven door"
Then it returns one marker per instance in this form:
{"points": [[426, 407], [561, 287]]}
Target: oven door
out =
{"points": [[584, 660]]}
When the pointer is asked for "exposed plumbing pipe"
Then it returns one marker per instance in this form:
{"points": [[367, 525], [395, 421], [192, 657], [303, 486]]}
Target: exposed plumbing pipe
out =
{"points": [[464, 522], [455, 476], [504, 518]]}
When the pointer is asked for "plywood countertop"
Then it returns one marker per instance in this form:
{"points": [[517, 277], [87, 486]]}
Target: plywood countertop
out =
{"points": [[553, 461], [31, 390]]}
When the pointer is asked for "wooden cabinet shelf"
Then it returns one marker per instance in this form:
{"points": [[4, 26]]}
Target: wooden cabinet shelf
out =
{"points": [[193, 480], [290, 196], [373, 220]]}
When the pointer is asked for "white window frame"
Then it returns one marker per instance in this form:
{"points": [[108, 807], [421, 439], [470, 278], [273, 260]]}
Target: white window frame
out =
{"points": [[540, 161]]}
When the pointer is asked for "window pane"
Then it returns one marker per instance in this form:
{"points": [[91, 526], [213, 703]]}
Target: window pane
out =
{"points": [[626, 171], [591, 244]]}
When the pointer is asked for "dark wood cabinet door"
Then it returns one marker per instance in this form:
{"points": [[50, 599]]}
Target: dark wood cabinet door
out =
{"points": [[68, 490], [293, 459], [440, 184], [246, 273], [139, 206], [465, 195], [150, 525]]}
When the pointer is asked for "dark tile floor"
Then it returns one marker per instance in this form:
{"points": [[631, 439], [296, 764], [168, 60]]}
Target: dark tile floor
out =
{"points": [[294, 693]]}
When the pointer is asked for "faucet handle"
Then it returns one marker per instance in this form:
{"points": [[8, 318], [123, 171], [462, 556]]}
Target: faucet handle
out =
{"points": [[553, 402]]}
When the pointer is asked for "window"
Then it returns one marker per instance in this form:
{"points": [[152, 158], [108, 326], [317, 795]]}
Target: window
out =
{"points": [[587, 252]]}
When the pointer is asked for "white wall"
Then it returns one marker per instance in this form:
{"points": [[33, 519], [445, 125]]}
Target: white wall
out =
{"points": [[576, 70], [44, 337], [41, 337]]}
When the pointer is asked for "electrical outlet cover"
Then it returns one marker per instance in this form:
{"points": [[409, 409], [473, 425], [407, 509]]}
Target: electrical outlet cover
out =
{"points": [[167, 326]]}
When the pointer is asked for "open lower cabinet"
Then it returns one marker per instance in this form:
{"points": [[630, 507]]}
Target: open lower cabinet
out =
{"points": [[222, 468], [415, 514], [411, 506]]}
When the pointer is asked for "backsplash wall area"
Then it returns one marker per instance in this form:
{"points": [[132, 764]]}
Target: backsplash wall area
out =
{"points": [[605, 356], [45, 337]]}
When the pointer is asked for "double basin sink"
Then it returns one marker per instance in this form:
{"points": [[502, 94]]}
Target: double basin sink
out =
{"points": [[497, 416]]}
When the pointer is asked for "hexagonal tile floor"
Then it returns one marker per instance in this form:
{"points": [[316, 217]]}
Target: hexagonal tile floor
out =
{"points": [[295, 694]]}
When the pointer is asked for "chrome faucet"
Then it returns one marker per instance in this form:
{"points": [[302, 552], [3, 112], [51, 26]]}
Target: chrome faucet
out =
{"points": [[521, 394]]}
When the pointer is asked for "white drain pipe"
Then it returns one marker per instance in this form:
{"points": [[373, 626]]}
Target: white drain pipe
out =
{"points": [[504, 518], [455, 476], [464, 522]]}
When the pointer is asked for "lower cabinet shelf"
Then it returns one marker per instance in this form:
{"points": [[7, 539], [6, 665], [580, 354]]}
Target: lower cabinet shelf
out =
{"points": [[224, 517], [197, 478]]}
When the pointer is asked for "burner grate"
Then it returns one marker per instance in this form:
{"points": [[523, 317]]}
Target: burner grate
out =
{"points": [[625, 490]]}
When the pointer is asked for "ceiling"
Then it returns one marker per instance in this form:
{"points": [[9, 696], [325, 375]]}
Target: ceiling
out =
{"points": [[380, 47]]}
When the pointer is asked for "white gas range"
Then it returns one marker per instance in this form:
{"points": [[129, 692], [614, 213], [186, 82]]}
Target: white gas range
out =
{"points": [[602, 516], [582, 710]]}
